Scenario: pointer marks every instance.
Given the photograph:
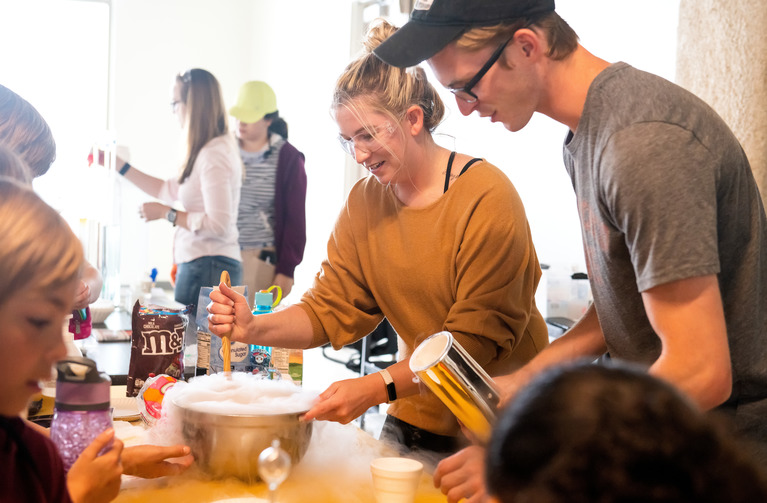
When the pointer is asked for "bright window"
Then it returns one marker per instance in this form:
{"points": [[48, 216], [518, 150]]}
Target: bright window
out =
{"points": [[56, 56]]}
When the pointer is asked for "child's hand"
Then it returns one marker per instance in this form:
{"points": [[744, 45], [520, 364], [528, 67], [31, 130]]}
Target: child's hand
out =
{"points": [[83, 295], [94, 478], [152, 461], [461, 476]]}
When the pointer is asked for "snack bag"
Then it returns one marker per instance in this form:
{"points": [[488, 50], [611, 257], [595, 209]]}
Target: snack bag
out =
{"points": [[151, 396], [203, 336], [157, 344]]}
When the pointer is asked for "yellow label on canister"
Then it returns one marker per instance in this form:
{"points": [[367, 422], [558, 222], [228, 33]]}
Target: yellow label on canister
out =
{"points": [[443, 383]]}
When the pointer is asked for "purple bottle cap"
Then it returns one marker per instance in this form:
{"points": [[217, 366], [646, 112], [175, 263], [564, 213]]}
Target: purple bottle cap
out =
{"points": [[80, 386]]}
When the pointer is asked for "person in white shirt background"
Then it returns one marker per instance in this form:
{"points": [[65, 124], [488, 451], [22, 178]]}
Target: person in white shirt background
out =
{"points": [[208, 187]]}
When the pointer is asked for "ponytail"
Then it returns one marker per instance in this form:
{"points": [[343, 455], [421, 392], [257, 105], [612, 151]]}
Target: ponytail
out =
{"points": [[278, 124]]}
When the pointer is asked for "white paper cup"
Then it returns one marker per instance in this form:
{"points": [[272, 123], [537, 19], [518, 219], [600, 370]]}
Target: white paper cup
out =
{"points": [[395, 480]]}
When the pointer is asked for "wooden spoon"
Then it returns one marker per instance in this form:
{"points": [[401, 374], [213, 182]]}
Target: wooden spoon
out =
{"points": [[226, 344]]}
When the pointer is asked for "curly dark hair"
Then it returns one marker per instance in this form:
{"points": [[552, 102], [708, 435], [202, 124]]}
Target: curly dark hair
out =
{"points": [[613, 433]]}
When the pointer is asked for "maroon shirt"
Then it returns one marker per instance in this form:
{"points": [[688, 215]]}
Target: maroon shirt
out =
{"points": [[289, 210], [30, 466]]}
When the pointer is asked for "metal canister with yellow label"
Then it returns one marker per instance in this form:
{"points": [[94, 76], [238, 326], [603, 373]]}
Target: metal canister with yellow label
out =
{"points": [[448, 370]]}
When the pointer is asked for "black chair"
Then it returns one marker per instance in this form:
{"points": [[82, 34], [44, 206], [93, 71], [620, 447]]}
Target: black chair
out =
{"points": [[557, 326], [377, 350]]}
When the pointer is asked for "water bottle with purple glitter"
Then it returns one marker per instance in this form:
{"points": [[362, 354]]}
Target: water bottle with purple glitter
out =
{"points": [[81, 410]]}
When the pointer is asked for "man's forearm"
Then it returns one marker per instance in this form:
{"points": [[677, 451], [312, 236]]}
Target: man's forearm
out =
{"points": [[583, 340], [688, 317]]}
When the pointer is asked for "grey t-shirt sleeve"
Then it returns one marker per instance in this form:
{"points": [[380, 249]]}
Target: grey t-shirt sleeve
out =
{"points": [[647, 193]]}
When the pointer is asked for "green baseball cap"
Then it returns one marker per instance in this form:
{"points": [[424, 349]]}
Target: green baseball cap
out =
{"points": [[255, 100]]}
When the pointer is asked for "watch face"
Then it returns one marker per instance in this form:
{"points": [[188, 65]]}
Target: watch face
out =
{"points": [[171, 216]]}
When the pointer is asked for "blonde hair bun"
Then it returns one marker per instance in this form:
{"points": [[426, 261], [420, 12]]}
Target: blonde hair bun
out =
{"points": [[385, 88], [378, 31]]}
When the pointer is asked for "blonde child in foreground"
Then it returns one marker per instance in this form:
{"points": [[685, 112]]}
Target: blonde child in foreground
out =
{"points": [[27, 149], [37, 286]]}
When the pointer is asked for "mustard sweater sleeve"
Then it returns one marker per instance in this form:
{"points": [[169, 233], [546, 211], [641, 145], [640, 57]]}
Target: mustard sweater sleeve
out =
{"points": [[496, 274]]}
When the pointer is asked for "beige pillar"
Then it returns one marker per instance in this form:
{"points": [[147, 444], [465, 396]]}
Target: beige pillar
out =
{"points": [[722, 57]]}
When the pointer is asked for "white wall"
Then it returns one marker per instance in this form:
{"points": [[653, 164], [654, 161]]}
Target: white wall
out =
{"points": [[734, 83], [69, 91]]}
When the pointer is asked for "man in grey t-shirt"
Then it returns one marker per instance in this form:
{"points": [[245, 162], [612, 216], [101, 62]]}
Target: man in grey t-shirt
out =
{"points": [[673, 224]]}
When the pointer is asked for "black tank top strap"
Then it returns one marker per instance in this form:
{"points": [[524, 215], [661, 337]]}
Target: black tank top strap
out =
{"points": [[447, 172], [468, 165], [450, 167]]}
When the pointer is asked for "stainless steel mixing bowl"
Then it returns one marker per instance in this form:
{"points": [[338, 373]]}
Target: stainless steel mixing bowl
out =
{"points": [[228, 445]]}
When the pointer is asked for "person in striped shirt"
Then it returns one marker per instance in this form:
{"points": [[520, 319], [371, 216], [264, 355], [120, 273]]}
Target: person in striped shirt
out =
{"points": [[272, 217]]}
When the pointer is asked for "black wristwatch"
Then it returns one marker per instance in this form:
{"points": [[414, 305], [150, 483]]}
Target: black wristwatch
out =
{"points": [[391, 391], [171, 216]]}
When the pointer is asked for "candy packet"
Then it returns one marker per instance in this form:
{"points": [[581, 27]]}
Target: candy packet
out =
{"points": [[157, 344]]}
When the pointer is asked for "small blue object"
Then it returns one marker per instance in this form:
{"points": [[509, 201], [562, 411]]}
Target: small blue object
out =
{"points": [[153, 274], [263, 301], [261, 356]]}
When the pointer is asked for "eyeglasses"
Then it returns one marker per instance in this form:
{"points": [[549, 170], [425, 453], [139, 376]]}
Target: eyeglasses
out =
{"points": [[465, 93], [367, 141]]}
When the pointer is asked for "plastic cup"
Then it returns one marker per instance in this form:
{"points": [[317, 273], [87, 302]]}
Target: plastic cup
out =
{"points": [[395, 480]]}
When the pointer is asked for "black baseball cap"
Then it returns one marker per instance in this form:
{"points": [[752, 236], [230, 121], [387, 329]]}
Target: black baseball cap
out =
{"points": [[435, 23]]}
